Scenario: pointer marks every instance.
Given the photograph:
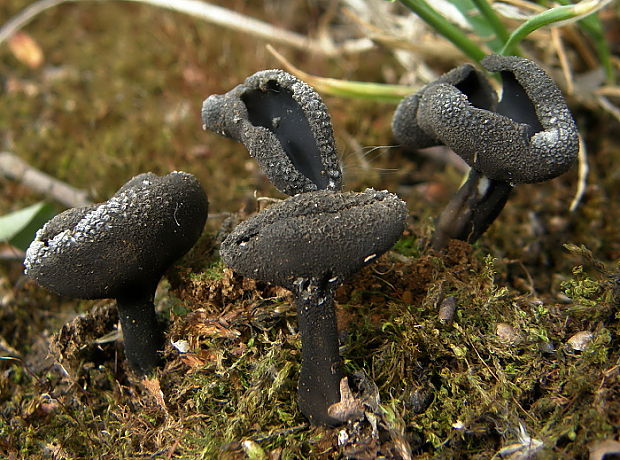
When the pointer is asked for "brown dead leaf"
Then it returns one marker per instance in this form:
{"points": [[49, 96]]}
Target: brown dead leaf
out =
{"points": [[199, 324], [202, 359], [26, 50], [214, 329], [193, 361], [153, 388], [348, 408]]}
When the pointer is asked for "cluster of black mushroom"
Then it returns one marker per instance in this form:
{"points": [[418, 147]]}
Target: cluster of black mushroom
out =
{"points": [[320, 236], [312, 242]]}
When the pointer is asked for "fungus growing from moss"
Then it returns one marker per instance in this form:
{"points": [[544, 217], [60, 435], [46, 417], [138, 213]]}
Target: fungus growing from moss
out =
{"points": [[529, 136], [284, 125], [310, 244], [120, 249]]}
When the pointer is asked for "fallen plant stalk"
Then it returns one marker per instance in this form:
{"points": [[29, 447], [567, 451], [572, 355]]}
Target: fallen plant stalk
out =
{"points": [[13, 167], [210, 13]]}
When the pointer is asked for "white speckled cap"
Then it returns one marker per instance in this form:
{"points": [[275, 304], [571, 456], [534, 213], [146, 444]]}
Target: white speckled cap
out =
{"points": [[124, 243]]}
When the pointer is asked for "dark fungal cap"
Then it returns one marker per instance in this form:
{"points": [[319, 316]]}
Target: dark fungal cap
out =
{"points": [[319, 236], [467, 79], [531, 137], [101, 251], [285, 126]]}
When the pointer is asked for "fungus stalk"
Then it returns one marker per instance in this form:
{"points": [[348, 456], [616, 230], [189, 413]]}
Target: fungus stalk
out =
{"points": [[321, 366], [470, 212], [528, 136], [142, 334], [315, 240], [310, 244]]}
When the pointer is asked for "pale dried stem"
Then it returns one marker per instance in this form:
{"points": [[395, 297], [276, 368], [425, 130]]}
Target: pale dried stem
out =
{"points": [[12, 167], [215, 15], [556, 39], [583, 175]]}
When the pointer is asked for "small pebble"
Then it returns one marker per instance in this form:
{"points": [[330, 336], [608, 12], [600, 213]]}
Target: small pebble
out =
{"points": [[420, 400], [506, 332], [447, 310], [580, 340], [546, 347]]}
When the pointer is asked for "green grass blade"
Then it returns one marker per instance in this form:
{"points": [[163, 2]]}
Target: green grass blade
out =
{"points": [[489, 14], [479, 24], [19, 227], [551, 16], [344, 88], [383, 92]]}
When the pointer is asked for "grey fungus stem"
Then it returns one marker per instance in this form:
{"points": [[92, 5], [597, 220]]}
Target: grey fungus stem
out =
{"points": [[470, 212], [285, 126], [528, 136], [120, 249], [310, 244]]}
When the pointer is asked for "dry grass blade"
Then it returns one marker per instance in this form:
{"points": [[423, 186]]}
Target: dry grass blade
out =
{"points": [[583, 175], [215, 15], [345, 88]]}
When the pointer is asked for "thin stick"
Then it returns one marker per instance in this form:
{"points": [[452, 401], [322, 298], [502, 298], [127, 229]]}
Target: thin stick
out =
{"points": [[25, 16], [215, 15], [556, 39], [12, 167]]}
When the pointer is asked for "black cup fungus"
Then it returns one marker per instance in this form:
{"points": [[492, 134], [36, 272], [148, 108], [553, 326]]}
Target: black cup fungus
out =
{"points": [[120, 249]]}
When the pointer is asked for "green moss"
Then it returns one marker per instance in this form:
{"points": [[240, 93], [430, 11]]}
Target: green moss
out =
{"points": [[213, 272], [408, 246]]}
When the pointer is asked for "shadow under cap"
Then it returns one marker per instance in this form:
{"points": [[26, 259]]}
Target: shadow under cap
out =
{"points": [[318, 235], [285, 126]]}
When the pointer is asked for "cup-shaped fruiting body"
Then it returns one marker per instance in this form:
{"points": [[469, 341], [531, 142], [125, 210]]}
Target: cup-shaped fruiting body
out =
{"points": [[285, 126], [467, 79], [310, 244], [120, 249], [530, 136]]}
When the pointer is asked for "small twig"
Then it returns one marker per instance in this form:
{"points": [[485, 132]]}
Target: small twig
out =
{"points": [[15, 168], [25, 16], [583, 175], [215, 15], [556, 39], [10, 253], [612, 91], [608, 106]]}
